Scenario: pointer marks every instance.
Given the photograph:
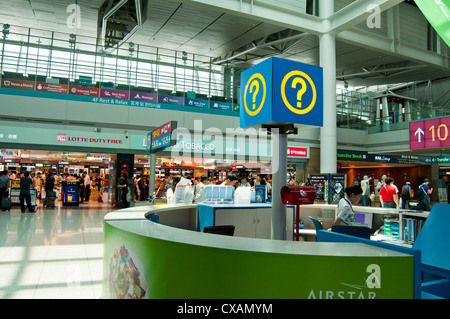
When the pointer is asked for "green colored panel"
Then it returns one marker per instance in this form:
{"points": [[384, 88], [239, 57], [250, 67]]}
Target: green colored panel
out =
{"points": [[134, 264], [437, 13]]}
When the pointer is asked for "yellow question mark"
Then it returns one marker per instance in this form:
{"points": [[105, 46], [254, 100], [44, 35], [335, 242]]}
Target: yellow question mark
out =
{"points": [[301, 91], [254, 84]]}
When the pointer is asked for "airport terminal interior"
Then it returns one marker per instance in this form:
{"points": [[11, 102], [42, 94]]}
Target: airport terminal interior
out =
{"points": [[88, 87]]}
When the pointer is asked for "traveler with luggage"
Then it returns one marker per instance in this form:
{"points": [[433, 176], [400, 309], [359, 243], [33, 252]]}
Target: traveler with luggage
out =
{"points": [[25, 194]]}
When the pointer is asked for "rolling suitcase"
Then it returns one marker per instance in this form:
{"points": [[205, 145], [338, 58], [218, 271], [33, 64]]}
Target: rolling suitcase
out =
{"points": [[6, 204], [50, 199]]}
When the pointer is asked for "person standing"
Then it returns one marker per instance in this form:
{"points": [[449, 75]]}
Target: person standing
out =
{"points": [[407, 194], [200, 189], [5, 184], [123, 185], [426, 196], [87, 187], [25, 195], [365, 186], [388, 194], [82, 188], [49, 192]]}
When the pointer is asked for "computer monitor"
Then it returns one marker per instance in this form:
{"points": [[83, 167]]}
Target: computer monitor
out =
{"points": [[365, 219], [227, 230]]}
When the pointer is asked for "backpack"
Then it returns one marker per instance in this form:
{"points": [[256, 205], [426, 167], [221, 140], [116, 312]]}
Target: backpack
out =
{"points": [[405, 192], [420, 194]]}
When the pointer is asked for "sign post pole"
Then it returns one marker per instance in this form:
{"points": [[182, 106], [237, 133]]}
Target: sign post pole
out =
{"points": [[279, 164], [151, 182]]}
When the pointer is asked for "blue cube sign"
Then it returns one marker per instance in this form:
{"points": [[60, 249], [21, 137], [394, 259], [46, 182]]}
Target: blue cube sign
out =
{"points": [[280, 91]]}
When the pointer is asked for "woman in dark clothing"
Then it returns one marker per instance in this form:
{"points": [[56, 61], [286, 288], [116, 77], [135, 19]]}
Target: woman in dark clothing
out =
{"points": [[123, 185], [49, 193], [25, 185]]}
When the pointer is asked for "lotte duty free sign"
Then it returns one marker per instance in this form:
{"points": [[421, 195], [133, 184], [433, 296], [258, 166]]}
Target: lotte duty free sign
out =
{"points": [[430, 133], [279, 91]]}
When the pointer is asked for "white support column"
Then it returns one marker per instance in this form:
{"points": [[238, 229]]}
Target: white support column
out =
{"points": [[279, 166], [386, 124], [407, 111], [328, 133]]}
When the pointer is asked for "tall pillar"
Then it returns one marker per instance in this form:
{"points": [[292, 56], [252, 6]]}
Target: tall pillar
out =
{"points": [[151, 181], [328, 133], [279, 165], [407, 111], [386, 123]]}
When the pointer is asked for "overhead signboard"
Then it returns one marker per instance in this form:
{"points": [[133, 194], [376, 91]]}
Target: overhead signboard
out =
{"points": [[302, 152], [437, 13], [162, 137], [432, 133], [279, 91]]}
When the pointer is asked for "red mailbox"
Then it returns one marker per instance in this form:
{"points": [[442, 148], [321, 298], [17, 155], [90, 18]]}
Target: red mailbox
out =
{"points": [[297, 195]]}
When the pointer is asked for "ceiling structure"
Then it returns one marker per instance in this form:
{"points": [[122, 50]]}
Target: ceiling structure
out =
{"points": [[221, 34]]}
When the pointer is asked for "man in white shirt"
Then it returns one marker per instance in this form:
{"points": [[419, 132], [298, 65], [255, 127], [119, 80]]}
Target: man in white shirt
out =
{"points": [[87, 185], [200, 189], [365, 185]]}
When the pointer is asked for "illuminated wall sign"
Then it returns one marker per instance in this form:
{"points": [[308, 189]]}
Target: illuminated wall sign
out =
{"points": [[432, 133], [297, 152], [161, 137]]}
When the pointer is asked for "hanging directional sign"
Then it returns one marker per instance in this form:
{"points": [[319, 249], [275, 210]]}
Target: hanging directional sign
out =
{"points": [[162, 137], [432, 133], [279, 91]]}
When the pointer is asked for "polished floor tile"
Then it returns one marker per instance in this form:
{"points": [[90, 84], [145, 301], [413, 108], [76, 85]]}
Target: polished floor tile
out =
{"points": [[52, 254]]}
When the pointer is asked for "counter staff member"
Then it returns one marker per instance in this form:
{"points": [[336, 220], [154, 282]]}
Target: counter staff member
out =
{"points": [[346, 214], [388, 194]]}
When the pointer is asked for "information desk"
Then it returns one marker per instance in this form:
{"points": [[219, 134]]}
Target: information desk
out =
{"points": [[170, 259], [372, 217]]}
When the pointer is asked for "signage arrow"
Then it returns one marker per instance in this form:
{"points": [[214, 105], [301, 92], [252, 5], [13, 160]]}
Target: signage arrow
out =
{"points": [[419, 131]]}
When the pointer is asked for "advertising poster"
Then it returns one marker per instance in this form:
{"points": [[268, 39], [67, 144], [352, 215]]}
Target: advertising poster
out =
{"points": [[168, 99], [143, 96], [84, 90], [18, 84], [114, 94], [51, 87]]}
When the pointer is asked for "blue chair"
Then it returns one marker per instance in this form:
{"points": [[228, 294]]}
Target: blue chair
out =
{"points": [[317, 223], [357, 231]]}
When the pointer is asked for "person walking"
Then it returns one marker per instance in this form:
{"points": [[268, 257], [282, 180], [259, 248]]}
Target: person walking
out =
{"points": [[427, 192], [406, 195]]}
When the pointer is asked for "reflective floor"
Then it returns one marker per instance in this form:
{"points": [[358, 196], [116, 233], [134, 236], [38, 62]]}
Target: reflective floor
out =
{"points": [[53, 253]]}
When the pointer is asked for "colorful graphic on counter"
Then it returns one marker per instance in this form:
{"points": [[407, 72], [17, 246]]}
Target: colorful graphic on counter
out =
{"points": [[123, 279]]}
